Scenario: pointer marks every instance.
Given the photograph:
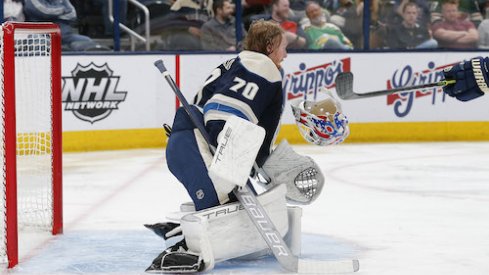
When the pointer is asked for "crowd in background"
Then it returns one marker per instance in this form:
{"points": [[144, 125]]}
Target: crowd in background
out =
{"points": [[309, 24]]}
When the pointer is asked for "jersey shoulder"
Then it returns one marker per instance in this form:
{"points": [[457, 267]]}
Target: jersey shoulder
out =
{"points": [[260, 65]]}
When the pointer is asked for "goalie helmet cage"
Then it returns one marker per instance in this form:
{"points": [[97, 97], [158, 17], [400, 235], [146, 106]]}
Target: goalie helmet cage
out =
{"points": [[31, 133]]}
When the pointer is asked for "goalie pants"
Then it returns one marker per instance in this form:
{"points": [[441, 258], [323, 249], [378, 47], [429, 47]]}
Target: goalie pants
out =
{"points": [[186, 162]]}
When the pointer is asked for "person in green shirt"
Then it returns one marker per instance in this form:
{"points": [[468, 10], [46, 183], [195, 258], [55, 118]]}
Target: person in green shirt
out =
{"points": [[323, 35]]}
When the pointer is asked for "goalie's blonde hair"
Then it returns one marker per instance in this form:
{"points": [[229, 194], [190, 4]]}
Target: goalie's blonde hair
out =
{"points": [[263, 37]]}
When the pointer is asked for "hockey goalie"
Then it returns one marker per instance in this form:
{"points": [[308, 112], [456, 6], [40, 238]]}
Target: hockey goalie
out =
{"points": [[240, 106]]}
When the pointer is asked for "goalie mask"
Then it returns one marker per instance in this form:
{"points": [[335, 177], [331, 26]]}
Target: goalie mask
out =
{"points": [[322, 122]]}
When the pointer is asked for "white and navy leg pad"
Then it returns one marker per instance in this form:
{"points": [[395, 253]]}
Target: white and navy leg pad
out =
{"points": [[227, 232]]}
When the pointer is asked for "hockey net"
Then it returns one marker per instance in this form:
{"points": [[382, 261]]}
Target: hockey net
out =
{"points": [[31, 133]]}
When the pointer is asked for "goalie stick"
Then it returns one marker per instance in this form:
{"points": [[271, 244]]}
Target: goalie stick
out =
{"points": [[258, 215], [344, 87]]}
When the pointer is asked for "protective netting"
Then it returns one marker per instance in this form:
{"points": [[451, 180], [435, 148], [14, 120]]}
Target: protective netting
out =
{"points": [[34, 133]]}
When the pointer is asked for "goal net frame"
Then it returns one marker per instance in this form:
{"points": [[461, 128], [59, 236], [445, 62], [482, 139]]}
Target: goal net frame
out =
{"points": [[9, 31]]}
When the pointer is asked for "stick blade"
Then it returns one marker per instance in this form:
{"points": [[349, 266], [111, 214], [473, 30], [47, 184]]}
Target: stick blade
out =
{"points": [[344, 86], [327, 267]]}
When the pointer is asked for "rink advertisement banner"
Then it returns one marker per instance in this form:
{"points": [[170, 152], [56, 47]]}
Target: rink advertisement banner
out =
{"points": [[119, 95], [309, 76], [115, 101], [380, 71], [115, 92]]}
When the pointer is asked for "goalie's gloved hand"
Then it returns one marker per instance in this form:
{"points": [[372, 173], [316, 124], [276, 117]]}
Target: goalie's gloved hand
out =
{"points": [[472, 78]]}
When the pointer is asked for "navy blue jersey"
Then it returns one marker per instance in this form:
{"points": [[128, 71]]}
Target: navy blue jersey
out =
{"points": [[248, 86]]}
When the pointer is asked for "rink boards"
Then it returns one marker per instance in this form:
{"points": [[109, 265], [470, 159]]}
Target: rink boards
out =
{"points": [[121, 101]]}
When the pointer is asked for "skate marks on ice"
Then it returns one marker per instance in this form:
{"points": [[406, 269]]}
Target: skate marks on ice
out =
{"points": [[131, 252], [442, 170], [94, 251]]}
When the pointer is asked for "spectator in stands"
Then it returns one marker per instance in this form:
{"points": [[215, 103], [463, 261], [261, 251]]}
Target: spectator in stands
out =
{"points": [[349, 18], [423, 10], [180, 28], [469, 9], [62, 13], [294, 34], [323, 35], [483, 29], [103, 6], [409, 34], [12, 10], [219, 33], [452, 32]]}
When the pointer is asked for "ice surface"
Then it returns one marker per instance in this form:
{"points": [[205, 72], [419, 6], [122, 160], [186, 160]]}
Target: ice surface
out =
{"points": [[419, 208]]}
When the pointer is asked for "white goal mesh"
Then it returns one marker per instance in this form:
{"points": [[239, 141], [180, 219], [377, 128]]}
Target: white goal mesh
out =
{"points": [[34, 123]]}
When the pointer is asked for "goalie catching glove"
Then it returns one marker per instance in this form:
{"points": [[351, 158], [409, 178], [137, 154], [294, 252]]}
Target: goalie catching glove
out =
{"points": [[321, 123], [472, 78], [300, 174]]}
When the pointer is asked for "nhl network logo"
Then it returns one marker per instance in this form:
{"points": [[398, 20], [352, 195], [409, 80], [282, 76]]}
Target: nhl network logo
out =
{"points": [[91, 92]]}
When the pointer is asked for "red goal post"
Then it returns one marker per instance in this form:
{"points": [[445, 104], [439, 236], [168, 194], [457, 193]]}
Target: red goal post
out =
{"points": [[31, 133]]}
